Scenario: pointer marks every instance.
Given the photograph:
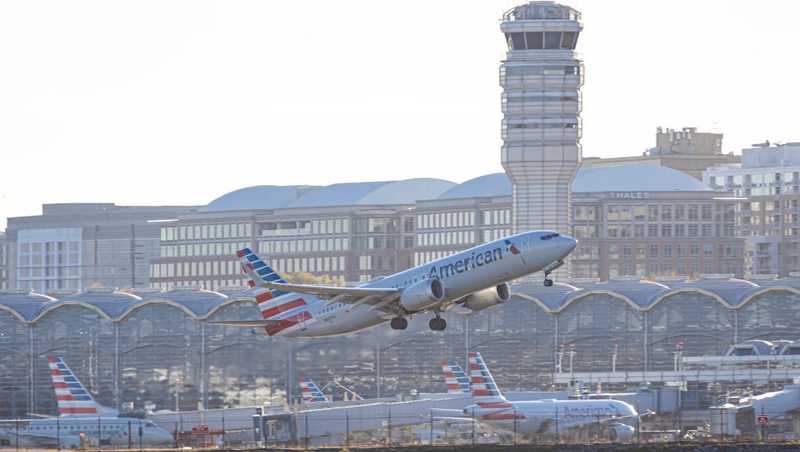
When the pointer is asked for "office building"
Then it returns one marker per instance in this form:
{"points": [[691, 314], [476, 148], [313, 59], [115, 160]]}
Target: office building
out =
{"points": [[767, 183], [3, 262], [76, 246]]}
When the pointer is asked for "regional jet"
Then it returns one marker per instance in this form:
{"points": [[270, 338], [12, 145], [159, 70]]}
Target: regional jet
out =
{"points": [[81, 421], [311, 392], [537, 417], [474, 279]]}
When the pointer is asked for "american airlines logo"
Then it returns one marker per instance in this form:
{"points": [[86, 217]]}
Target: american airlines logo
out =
{"points": [[471, 262]]}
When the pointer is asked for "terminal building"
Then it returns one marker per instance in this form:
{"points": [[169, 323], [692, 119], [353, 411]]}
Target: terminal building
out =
{"points": [[3, 262], [151, 349], [768, 213]]}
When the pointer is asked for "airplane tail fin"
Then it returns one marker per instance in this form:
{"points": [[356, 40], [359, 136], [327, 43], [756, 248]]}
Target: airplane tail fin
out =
{"points": [[311, 392], [256, 268], [483, 386], [288, 307], [455, 378], [73, 398]]}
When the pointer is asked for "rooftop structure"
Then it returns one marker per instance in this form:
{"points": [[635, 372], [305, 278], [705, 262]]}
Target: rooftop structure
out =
{"points": [[685, 150]]}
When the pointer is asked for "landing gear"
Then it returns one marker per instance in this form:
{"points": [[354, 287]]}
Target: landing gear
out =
{"points": [[437, 324], [399, 323], [547, 281]]}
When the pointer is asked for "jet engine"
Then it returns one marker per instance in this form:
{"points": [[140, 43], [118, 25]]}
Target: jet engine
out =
{"points": [[620, 432], [487, 298], [421, 295]]}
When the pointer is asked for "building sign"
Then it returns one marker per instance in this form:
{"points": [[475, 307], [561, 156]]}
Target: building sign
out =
{"points": [[629, 195]]}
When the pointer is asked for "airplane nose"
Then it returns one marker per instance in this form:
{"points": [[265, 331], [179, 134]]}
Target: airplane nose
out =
{"points": [[569, 244]]}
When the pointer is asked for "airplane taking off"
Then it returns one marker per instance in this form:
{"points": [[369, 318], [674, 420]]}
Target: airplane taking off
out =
{"points": [[311, 392], [541, 417], [80, 417], [476, 279]]}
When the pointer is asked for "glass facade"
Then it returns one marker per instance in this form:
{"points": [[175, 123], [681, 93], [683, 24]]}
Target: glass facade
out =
{"points": [[154, 351]]}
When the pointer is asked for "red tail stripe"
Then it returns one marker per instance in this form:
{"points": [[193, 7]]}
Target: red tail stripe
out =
{"points": [[60, 385], [494, 405], [240, 253], [264, 296], [287, 323], [272, 312], [501, 416], [474, 367], [481, 392], [65, 397], [251, 283], [55, 372], [76, 410], [51, 359]]}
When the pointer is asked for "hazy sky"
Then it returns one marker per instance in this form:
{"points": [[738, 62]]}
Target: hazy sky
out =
{"points": [[179, 102]]}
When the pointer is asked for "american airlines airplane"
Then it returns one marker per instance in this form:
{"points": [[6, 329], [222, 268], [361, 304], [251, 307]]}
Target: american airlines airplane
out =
{"points": [[475, 279], [539, 417], [311, 392], [80, 418]]}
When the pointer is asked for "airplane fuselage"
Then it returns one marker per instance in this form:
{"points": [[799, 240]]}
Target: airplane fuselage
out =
{"points": [[461, 274], [67, 431], [552, 417]]}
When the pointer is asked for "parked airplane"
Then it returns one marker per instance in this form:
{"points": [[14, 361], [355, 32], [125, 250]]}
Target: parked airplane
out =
{"points": [[476, 279], [542, 417], [80, 420], [311, 392]]}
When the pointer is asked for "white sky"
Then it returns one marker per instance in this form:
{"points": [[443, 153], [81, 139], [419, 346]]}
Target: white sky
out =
{"points": [[178, 102]]}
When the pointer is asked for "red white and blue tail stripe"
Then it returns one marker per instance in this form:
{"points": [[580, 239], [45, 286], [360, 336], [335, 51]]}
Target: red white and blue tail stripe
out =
{"points": [[481, 380], [73, 398], [454, 377], [289, 308], [311, 392]]}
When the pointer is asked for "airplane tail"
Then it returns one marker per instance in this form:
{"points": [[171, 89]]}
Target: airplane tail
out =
{"points": [[484, 389], [455, 378], [73, 398], [288, 307], [311, 392]]}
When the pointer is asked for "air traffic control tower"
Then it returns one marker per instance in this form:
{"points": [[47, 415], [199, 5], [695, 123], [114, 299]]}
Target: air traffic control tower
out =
{"points": [[541, 79]]}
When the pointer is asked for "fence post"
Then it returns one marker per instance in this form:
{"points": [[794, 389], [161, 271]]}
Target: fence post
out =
{"points": [[347, 429], [515, 426], [130, 436], [307, 437], [99, 435], [58, 434], [431, 439], [223, 427]]}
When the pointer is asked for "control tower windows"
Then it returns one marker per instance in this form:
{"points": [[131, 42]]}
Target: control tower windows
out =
{"points": [[535, 40], [552, 40], [516, 41], [569, 40]]}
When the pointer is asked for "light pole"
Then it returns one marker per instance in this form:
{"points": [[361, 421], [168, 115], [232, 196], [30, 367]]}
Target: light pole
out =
{"points": [[614, 359], [178, 381]]}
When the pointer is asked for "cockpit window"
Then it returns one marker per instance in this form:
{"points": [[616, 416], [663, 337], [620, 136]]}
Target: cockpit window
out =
{"points": [[549, 236]]}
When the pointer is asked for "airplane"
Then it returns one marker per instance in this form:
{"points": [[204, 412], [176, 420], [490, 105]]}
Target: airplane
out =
{"points": [[311, 392], [541, 417], [474, 279], [81, 419]]}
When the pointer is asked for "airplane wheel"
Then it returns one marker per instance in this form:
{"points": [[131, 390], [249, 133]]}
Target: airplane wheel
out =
{"points": [[399, 323], [437, 324], [548, 282]]}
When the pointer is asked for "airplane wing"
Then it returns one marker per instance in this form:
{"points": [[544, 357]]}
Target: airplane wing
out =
{"points": [[245, 323], [330, 291]]}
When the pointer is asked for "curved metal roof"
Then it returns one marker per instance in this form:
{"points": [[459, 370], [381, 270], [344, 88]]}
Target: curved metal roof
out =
{"points": [[496, 184], [367, 193], [253, 198], [646, 178], [200, 304], [346, 194]]}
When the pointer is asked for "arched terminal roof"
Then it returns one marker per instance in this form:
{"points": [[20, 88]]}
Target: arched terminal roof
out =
{"points": [[645, 295], [496, 184]]}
